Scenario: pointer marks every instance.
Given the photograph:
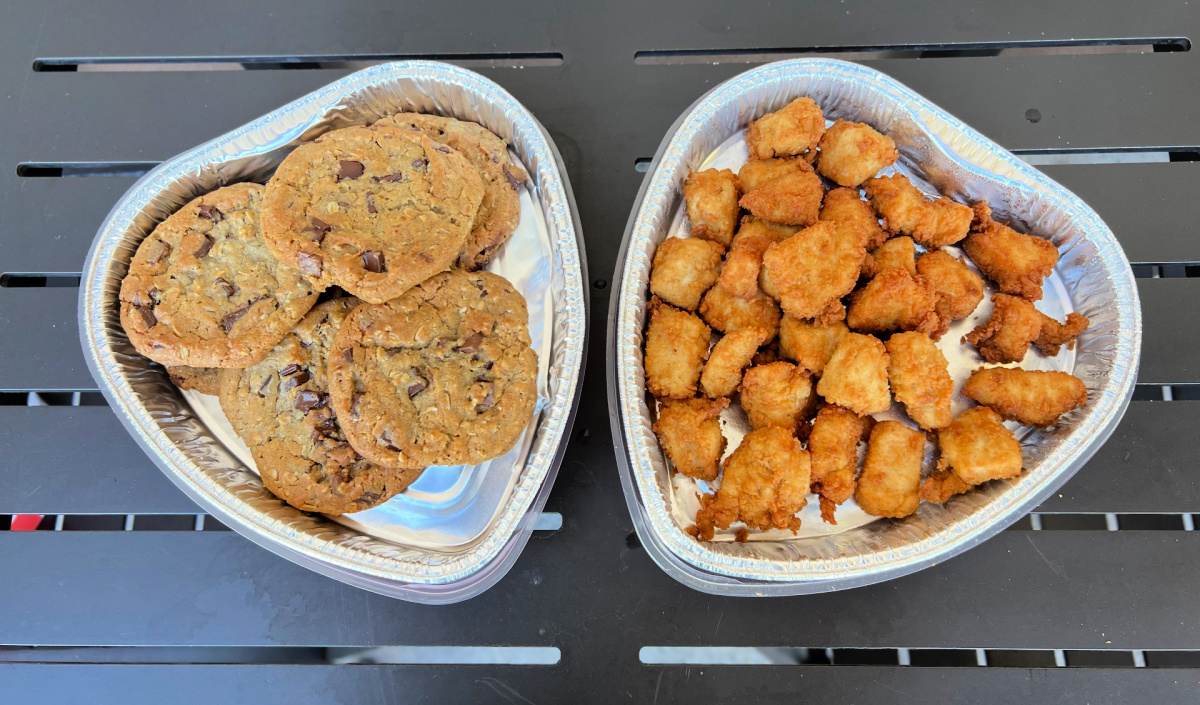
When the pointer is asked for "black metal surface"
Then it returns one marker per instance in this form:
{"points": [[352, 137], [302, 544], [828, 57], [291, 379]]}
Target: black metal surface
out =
{"points": [[587, 588]]}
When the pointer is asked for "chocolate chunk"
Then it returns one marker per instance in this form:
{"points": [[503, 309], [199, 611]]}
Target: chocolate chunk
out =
{"points": [[373, 261], [230, 319], [211, 213], [343, 204], [262, 388], [328, 427], [443, 149], [318, 228], [228, 288], [354, 404], [371, 203], [488, 402], [425, 257], [368, 498], [311, 265], [471, 344], [300, 378], [386, 440], [289, 370], [348, 355], [390, 178], [348, 169], [420, 385], [489, 364], [147, 315], [420, 163], [204, 247], [308, 400], [512, 180]]}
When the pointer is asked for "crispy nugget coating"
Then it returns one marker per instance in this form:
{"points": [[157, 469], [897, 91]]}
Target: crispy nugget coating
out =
{"points": [[833, 445], [685, 268], [852, 152], [792, 130], [676, 346], [758, 173], [891, 477], [920, 379], [739, 276], [809, 343], [778, 394], [894, 300], [690, 435], [941, 485], [1015, 323], [728, 313], [898, 252], [857, 375], [1054, 335], [853, 217], [906, 211], [1032, 397], [712, 204], [1017, 263], [794, 199], [765, 483], [958, 289], [723, 372], [977, 447], [811, 270]]}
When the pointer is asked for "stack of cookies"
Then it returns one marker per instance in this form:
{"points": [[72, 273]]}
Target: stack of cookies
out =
{"points": [[339, 313]]}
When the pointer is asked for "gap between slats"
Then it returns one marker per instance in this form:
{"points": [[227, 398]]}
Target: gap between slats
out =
{"points": [[294, 62]]}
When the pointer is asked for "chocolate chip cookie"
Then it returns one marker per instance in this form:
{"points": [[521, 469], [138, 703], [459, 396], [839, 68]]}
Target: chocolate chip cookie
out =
{"points": [[203, 290], [500, 210], [443, 375], [373, 210], [280, 408], [206, 380]]}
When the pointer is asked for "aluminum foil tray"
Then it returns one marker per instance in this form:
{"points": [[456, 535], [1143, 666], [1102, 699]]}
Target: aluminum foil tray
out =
{"points": [[459, 529], [939, 153]]}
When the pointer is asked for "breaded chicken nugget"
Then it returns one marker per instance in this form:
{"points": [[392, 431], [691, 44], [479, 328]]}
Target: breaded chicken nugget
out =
{"points": [[778, 394], [794, 199], [808, 343], [795, 128], [833, 447], [765, 483], [977, 447], [723, 372], [1017, 263], [728, 313], [812, 270], [853, 217], [856, 376], [712, 204], [941, 485], [906, 211], [757, 173], [676, 346], [893, 300], [898, 252], [891, 477], [742, 264], [920, 379], [958, 289], [852, 152], [690, 435], [685, 268], [1032, 397], [1015, 323]]}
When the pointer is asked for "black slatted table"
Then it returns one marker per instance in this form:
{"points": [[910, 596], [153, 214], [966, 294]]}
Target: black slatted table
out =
{"points": [[1089, 601]]}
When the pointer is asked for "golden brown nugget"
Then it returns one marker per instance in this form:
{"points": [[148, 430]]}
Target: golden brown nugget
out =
{"points": [[811, 270], [728, 313], [941, 485], [958, 289], [723, 372], [712, 204], [758, 173], [891, 477], [853, 217], [794, 199], [690, 435], [778, 394], [808, 343], [1017, 263], [906, 211], [856, 376], [739, 276], [894, 300], [852, 152], [792, 130], [977, 447], [898, 252], [767, 355], [1015, 323], [920, 379], [685, 268], [765, 483], [1032, 397], [676, 347], [833, 447]]}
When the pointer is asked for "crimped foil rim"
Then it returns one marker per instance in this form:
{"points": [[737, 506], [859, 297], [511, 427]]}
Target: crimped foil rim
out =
{"points": [[314, 538], [974, 153]]}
